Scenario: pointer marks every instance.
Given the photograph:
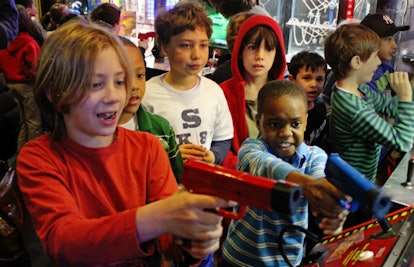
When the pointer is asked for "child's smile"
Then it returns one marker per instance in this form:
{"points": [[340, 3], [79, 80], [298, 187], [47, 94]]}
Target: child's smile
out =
{"points": [[283, 124], [96, 116]]}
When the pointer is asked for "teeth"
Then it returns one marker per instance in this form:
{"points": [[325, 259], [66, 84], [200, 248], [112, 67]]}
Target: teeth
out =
{"points": [[284, 145], [106, 115]]}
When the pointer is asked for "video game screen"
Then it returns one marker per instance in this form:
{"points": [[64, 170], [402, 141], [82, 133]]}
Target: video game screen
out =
{"points": [[218, 38]]}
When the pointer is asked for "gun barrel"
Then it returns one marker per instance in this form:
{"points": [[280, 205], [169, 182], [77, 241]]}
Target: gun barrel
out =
{"points": [[364, 193], [244, 188]]}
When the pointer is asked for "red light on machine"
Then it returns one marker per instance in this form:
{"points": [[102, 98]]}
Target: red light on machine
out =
{"points": [[350, 9]]}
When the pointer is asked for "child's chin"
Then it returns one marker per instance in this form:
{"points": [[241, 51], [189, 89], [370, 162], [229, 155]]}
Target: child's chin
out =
{"points": [[284, 153]]}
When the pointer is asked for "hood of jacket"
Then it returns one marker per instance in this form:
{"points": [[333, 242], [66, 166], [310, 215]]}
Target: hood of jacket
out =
{"points": [[20, 41], [279, 64]]}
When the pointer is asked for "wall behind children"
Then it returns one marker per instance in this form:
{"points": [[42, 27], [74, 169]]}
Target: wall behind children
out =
{"points": [[305, 23]]}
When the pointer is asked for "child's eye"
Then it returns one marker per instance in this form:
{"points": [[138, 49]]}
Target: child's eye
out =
{"points": [[97, 85], [140, 75], [320, 80], [296, 124], [274, 125], [251, 47], [204, 45], [120, 83], [185, 45]]}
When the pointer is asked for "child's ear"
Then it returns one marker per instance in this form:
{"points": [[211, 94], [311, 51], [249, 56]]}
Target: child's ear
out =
{"points": [[290, 77], [356, 62], [164, 49]]}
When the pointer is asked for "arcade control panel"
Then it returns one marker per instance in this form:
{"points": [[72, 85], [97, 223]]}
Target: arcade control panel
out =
{"points": [[369, 245]]}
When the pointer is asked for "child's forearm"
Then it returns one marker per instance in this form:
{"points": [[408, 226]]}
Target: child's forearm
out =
{"points": [[220, 150], [299, 178]]}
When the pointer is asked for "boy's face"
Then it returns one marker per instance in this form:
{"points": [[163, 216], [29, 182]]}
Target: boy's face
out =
{"points": [[283, 124], [92, 121], [187, 52], [138, 86], [32, 10], [388, 48], [367, 69], [310, 81], [257, 61]]}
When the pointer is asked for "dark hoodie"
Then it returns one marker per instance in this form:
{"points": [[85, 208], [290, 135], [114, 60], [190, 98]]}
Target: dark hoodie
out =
{"points": [[19, 60], [9, 22], [9, 123], [234, 88]]}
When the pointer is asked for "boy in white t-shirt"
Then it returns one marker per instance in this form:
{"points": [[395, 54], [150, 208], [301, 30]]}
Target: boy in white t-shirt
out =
{"points": [[194, 105]]}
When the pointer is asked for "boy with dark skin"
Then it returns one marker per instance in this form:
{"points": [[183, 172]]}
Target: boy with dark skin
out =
{"points": [[280, 154]]}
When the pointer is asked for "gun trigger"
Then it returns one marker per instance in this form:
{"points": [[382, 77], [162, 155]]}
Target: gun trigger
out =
{"points": [[232, 215]]}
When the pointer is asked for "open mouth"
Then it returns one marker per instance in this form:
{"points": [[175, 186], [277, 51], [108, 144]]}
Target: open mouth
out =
{"points": [[285, 145], [134, 100], [106, 115]]}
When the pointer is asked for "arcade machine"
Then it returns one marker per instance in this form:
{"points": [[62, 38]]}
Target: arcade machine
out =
{"points": [[369, 244], [386, 241], [374, 243]]}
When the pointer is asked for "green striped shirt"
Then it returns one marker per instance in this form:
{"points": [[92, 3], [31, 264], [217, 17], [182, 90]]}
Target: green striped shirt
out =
{"points": [[357, 131]]}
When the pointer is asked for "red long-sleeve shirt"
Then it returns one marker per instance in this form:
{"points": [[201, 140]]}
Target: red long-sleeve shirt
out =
{"points": [[83, 200]]}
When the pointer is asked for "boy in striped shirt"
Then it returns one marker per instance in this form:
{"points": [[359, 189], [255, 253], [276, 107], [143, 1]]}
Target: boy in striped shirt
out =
{"points": [[280, 154], [357, 130]]}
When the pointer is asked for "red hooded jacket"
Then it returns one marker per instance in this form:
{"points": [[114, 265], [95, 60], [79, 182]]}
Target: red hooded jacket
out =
{"points": [[234, 87], [19, 60]]}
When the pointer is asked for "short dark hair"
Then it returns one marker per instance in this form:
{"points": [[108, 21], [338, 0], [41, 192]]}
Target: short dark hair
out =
{"points": [[347, 41], [184, 16], [25, 3], [278, 88], [72, 17], [25, 22], [228, 8], [107, 13], [307, 59], [58, 11]]}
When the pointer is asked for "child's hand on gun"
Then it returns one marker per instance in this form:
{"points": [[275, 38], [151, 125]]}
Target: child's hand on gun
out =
{"points": [[323, 198], [333, 226], [332, 211]]}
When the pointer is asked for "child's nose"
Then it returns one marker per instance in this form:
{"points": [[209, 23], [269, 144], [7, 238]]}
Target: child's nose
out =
{"points": [[285, 131], [196, 52], [112, 94], [260, 53]]}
